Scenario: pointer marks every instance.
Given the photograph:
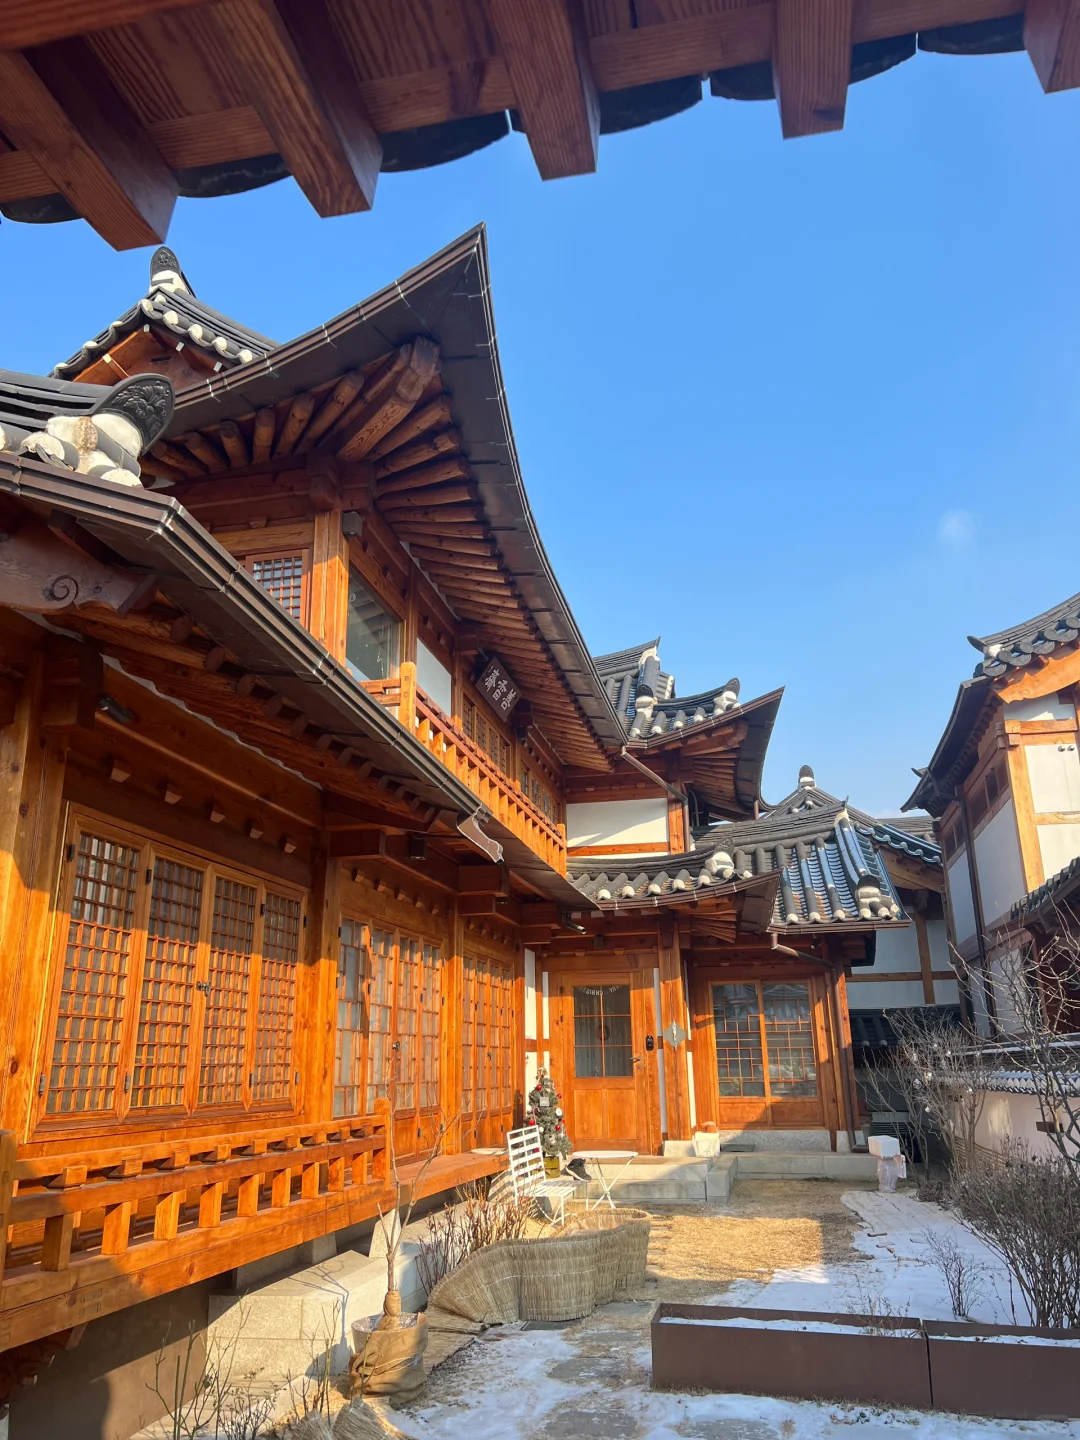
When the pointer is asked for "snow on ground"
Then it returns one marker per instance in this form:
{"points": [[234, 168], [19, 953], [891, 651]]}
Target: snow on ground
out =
{"points": [[591, 1381], [904, 1278]]}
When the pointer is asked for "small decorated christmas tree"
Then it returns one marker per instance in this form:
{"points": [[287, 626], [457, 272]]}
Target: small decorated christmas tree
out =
{"points": [[545, 1112]]}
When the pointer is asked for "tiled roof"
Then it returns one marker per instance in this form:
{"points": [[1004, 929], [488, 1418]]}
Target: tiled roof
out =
{"points": [[170, 303], [827, 873], [1049, 894], [1016, 647], [906, 836], [626, 673], [1004, 651], [48, 420]]}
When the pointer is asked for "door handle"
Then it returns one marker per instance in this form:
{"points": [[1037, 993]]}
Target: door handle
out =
{"points": [[636, 1059]]}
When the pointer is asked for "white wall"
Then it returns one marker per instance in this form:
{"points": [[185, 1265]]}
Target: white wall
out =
{"points": [[1043, 707], [885, 994], [1003, 971], [946, 992], [1058, 845], [1054, 772], [1011, 1117], [896, 950], [617, 822], [961, 904], [434, 679], [997, 860]]}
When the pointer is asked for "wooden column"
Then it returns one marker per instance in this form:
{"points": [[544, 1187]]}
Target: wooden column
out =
{"points": [[453, 983], [317, 1036], [32, 765], [330, 582], [673, 1009], [407, 703]]}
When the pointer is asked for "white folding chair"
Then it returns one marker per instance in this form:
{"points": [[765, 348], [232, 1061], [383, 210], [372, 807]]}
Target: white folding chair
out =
{"points": [[528, 1176]]}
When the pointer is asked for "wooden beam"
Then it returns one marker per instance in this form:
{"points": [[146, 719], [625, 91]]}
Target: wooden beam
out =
{"points": [[812, 64], [383, 407], [546, 52], [64, 112], [300, 81], [34, 22], [1052, 38]]}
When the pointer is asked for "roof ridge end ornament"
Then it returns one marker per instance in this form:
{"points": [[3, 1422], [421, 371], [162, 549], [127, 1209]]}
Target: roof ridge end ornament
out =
{"points": [[166, 274]]}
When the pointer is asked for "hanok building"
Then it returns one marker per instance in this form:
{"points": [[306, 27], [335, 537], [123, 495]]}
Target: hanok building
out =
{"points": [[1004, 787], [296, 722], [765, 916]]}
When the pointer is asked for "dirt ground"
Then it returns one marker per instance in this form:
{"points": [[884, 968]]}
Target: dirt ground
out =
{"points": [[766, 1225]]}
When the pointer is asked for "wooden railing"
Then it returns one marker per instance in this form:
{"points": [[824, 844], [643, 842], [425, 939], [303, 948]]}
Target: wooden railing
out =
{"points": [[93, 1230], [503, 796]]}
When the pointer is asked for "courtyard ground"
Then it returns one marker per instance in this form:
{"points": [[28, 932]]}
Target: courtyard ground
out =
{"points": [[810, 1245]]}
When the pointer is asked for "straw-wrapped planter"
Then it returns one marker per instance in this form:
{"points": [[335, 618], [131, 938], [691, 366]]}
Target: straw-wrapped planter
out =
{"points": [[389, 1358], [595, 1257]]}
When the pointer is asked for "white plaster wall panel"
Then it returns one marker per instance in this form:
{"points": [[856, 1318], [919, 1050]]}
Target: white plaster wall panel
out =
{"points": [[1043, 707], [434, 679], [617, 822], [997, 862], [978, 1002], [1011, 1117], [960, 902], [896, 950], [946, 992], [1054, 773], [1005, 978], [530, 995], [1058, 845], [885, 995], [938, 937]]}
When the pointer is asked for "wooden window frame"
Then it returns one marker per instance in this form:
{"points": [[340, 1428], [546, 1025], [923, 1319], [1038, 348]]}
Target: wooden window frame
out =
{"points": [[372, 1086], [150, 846], [286, 552], [994, 763], [499, 1074]]}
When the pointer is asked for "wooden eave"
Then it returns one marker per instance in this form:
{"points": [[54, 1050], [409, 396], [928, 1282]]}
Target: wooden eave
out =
{"points": [[724, 757], [110, 109], [435, 457], [202, 631]]}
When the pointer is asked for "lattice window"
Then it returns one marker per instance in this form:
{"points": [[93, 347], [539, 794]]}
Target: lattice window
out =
{"points": [[503, 983], [283, 577], [232, 939], [380, 1013], [277, 999], [89, 1022], [739, 1052], [483, 1040], [159, 1071], [406, 1022], [789, 1040], [351, 1021], [430, 1026], [468, 1034], [485, 736]]}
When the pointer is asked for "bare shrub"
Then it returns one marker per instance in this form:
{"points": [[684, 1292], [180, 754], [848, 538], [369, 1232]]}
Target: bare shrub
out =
{"points": [[965, 1274], [939, 1072], [1026, 1208], [471, 1222]]}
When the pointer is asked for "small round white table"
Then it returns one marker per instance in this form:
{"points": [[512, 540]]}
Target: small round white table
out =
{"points": [[601, 1158]]}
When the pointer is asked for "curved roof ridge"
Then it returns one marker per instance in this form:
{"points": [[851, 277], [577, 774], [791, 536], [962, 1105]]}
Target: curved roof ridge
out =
{"points": [[171, 303]]}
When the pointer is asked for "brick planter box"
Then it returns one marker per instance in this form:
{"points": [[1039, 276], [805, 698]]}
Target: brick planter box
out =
{"points": [[967, 1368]]}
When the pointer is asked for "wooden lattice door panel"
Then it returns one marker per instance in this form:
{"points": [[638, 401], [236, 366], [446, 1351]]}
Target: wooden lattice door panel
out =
{"points": [[487, 1088], [350, 1057], [430, 1026], [381, 1016], [86, 1057], [406, 1024], [276, 1013], [232, 944], [163, 1039], [285, 577]]}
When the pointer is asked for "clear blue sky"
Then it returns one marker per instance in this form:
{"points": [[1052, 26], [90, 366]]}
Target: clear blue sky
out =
{"points": [[806, 409]]}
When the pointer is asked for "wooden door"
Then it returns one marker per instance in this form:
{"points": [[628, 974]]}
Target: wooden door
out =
{"points": [[598, 1055], [761, 1056]]}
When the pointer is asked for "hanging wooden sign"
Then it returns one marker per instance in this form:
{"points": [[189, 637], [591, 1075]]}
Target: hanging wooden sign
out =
{"points": [[499, 688]]}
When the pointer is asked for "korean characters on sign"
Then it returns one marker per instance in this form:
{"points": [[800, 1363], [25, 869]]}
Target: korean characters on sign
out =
{"points": [[499, 688]]}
